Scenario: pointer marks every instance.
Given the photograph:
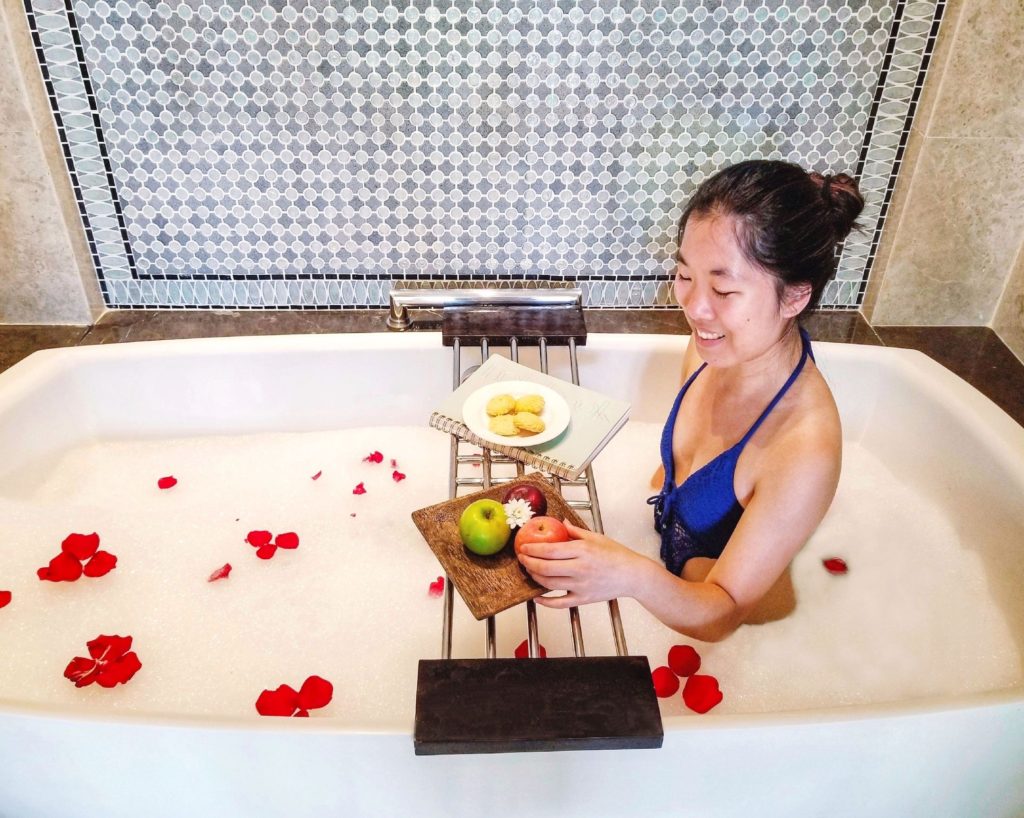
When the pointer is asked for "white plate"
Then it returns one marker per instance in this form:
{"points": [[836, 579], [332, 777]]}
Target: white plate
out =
{"points": [[555, 414]]}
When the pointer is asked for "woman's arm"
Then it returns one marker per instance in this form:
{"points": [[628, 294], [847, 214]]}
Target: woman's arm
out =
{"points": [[791, 496], [595, 568]]}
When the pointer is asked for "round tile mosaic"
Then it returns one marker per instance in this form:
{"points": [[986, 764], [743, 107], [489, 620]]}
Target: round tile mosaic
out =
{"points": [[270, 154]]}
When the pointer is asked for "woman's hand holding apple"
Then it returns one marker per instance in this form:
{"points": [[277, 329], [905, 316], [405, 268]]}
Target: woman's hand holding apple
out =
{"points": [[541, 529], [591, 567]]}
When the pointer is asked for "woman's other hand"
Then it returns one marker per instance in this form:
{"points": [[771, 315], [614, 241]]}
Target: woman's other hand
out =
{"points": [[591, 568]]}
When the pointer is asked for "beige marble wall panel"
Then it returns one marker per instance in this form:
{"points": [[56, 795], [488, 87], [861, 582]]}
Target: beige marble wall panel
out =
{"points": [[959, 234], [39, 282], [45, 273], [983, 91], [949, 244], [938, 66], [1009, 321]]}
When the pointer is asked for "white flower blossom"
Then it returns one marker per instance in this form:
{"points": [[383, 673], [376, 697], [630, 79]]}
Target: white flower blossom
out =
{"points": [[518, 512]]}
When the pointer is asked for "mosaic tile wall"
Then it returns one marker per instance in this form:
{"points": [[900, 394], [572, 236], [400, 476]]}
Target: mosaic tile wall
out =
{"points": [[268, 154]]}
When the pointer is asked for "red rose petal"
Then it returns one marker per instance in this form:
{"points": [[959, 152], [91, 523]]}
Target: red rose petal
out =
{"points": [[374, 457], [110, 664], [80, 546], [666, 683], [523, 650], [166, 482], [394, 463], [265, 552], [436, 587], [683, 660], [81, 671], [316, 476], [109, 648], [360, 489], [701, 693], [5, 597], [281, 702], [397, 476], [62, 568], [287, 540], [220, 573], [129, 665], [315, 692], [835, 565], [258, 538], [119, 671], [302, 714], [101, 563]]}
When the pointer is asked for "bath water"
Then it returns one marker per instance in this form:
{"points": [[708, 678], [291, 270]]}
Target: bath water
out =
{"points": [[912, 619]]}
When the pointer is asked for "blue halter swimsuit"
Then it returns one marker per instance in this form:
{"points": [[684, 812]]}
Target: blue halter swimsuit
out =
{"points": [[697, 518]]}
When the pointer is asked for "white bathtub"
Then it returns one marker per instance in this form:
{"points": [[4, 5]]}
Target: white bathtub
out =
{"points": [[925, 755]]}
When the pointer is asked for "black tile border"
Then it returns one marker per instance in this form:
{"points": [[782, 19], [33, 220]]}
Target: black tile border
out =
{"points": [[66, 145], [897, 164], [101, 142]]}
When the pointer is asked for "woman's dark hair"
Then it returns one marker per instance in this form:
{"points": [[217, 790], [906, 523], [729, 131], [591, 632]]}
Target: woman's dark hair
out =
{"points": [[789, 221]]}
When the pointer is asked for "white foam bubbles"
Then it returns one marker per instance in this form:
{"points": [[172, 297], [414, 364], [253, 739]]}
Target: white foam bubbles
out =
{"points": [[913, 618]]}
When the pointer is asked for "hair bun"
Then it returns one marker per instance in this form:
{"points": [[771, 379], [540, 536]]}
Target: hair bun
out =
{"points": [[842, 199]]}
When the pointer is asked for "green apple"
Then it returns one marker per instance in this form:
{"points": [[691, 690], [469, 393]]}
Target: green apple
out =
{"points": [[484, 527]]}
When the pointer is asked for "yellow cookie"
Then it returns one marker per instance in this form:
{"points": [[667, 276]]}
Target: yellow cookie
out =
{"points": [[528, 422], [530, 403], [500, 405], [503, 425]]}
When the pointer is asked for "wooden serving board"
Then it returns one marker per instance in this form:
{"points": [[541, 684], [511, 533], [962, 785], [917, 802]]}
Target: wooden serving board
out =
{"points": [[490, 584]]}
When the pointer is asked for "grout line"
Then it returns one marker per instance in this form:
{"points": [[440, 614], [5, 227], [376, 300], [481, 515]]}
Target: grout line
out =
{"points": [[871, 329], [1018, 259], [954, 36]]}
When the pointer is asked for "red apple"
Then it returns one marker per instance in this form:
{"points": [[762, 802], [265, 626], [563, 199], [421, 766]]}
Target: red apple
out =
{"points": [[541, 529], [533, 495]]}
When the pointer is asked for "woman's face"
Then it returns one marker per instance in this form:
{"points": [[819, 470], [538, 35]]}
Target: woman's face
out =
{"points": [[732, 305]]}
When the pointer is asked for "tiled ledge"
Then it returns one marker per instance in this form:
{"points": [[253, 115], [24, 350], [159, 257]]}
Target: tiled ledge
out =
{"points": [[974, 353]]}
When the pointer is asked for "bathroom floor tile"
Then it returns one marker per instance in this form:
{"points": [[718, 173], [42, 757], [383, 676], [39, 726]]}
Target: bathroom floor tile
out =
{"points": [[153, 325], [841, 327], [655, 322], [976, 354], [18, 341], [149, 325]]}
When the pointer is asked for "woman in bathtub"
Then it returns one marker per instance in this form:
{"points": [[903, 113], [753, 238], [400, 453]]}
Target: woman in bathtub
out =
{"points": [[752, 446]]}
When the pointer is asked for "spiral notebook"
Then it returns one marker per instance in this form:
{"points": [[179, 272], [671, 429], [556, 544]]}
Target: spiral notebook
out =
{"points": [[594, 419]]}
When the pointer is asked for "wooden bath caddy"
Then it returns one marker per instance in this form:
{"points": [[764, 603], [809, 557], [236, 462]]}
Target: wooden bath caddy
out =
{"points": [[488, 585], [536, 705]]}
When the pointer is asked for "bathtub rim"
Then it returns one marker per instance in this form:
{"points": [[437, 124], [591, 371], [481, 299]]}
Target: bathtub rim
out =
{"points": [[1000, 434], [781, 719], [45, 361]]}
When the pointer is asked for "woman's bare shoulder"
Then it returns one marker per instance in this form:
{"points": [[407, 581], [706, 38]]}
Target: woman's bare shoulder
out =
{"points": [[812, 429]]}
